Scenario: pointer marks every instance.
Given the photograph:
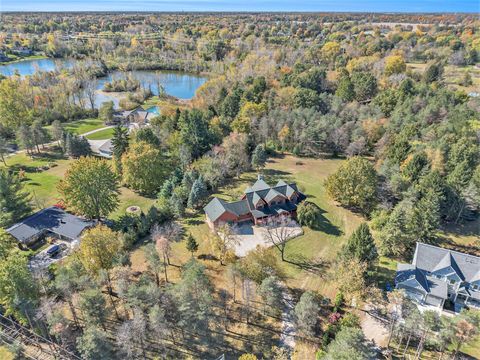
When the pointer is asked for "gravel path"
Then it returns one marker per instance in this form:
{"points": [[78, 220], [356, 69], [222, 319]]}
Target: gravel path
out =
{"points": [[287, 339]]}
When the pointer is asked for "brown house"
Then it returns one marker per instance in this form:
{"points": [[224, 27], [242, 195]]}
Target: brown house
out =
{"points": [[259, 203]]}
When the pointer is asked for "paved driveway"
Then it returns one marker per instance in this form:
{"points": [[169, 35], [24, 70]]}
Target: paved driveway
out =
{"points": [[249, 236]]}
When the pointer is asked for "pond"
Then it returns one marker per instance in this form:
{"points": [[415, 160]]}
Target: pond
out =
{"points": [[176, 83]]}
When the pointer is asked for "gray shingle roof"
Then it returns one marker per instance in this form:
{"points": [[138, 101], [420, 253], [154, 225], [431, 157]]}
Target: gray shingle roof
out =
{"points": [[272, 194], [50, 219], [428, 257]]}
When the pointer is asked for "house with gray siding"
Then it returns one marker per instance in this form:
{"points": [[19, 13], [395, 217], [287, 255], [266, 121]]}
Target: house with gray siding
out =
{"points": [[437, 275]]}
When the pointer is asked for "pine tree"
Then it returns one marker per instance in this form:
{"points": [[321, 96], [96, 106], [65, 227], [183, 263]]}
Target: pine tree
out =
{"points": [[361, 245], [198, 193], [306, 313], [24, 137], [94, 344], [14, 201], [192, 245], [259, 157]]}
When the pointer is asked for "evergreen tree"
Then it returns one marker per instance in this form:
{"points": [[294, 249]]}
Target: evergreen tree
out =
{"points": [[361, 245], [198, 193], [350, 344], [167, 189], [119, 141], [3, 150], [94, 344], [192, 245], [76, 146], [120, 145], [57, 131], [271, 293], [306, 314], [14, 201], [147, 135], [259, 157], [39, 134], [24, 138], [345, 89], [93, 307]]}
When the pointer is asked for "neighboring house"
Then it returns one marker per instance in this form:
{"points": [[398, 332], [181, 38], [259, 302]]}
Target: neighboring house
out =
{"points": [[103, 148], [51, 221], [437, 274], [139, 115], [259, 203], [22, 51]]}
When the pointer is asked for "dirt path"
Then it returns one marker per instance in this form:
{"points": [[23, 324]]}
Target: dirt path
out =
{"points": [[287, 339], [374, 329]]}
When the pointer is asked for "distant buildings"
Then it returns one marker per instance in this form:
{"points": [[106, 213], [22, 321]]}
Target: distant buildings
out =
{"points": [[437, 275], [138, 116], [259, 203], [49, 222]]}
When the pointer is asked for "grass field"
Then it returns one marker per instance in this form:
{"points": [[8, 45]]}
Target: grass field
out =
{"points": [[82, 126], [453, 75], [101, 135], [42, 184]]}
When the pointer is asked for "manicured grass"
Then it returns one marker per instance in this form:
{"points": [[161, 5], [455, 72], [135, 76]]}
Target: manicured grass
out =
{"points": [[82, 126], [101, 135], [41, 184], [129, 198]]}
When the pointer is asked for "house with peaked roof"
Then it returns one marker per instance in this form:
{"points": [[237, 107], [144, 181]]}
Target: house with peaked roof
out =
{"points": [[49, 222], [437, 274], [259, 203]]}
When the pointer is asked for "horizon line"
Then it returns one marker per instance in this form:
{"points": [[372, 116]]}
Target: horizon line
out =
{"points": [[238, 12]]}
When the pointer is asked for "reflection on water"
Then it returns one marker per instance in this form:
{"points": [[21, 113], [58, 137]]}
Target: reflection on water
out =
{"points": [[175, 83]]}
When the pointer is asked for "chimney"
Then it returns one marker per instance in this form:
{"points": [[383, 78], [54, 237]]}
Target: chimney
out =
{"points": [[260, 177]]}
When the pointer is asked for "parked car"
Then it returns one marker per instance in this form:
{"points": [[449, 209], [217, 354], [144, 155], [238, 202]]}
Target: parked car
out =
{"points": [[53, 250]]}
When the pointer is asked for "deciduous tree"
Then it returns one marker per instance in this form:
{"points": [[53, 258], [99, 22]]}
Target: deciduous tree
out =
{"points": [[90, 188]]}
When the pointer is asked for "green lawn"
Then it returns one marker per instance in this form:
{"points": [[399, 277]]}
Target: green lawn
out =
{"points": [[42, 184], [82, 126], [101, 135]]}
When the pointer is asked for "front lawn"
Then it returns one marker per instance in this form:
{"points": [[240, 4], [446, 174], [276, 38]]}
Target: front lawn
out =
{"points": [[101, 135], [82, 126]]}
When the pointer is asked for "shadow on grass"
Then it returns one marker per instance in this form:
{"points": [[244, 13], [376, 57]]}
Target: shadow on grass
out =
{"points": [[381, 275], [308, 265]]}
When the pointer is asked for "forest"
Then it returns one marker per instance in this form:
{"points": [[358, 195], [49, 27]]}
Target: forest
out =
{"points": [[375, 116]]}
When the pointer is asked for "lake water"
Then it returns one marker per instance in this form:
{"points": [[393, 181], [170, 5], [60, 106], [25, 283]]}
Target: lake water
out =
{"points": [[179, 84]]}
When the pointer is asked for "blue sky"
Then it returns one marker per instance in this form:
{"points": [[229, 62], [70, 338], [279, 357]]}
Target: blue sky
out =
{"points": [[471, 6]]}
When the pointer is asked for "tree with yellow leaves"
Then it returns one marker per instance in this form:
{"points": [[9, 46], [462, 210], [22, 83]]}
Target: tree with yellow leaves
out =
{"points": [[394, 64]]}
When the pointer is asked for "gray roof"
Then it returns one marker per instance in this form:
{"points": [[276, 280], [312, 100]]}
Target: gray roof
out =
{"points": [[50, 219], [216, 207], [431, 258], [437, 287], [272, 194], [259, 192]]}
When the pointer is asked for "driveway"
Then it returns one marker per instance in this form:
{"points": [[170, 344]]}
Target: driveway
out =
{"points": [[42, 260], [249, 236]]}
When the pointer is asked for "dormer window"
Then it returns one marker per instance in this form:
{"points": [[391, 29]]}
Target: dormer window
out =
{"points": [[475, 287], [452, 282]]}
